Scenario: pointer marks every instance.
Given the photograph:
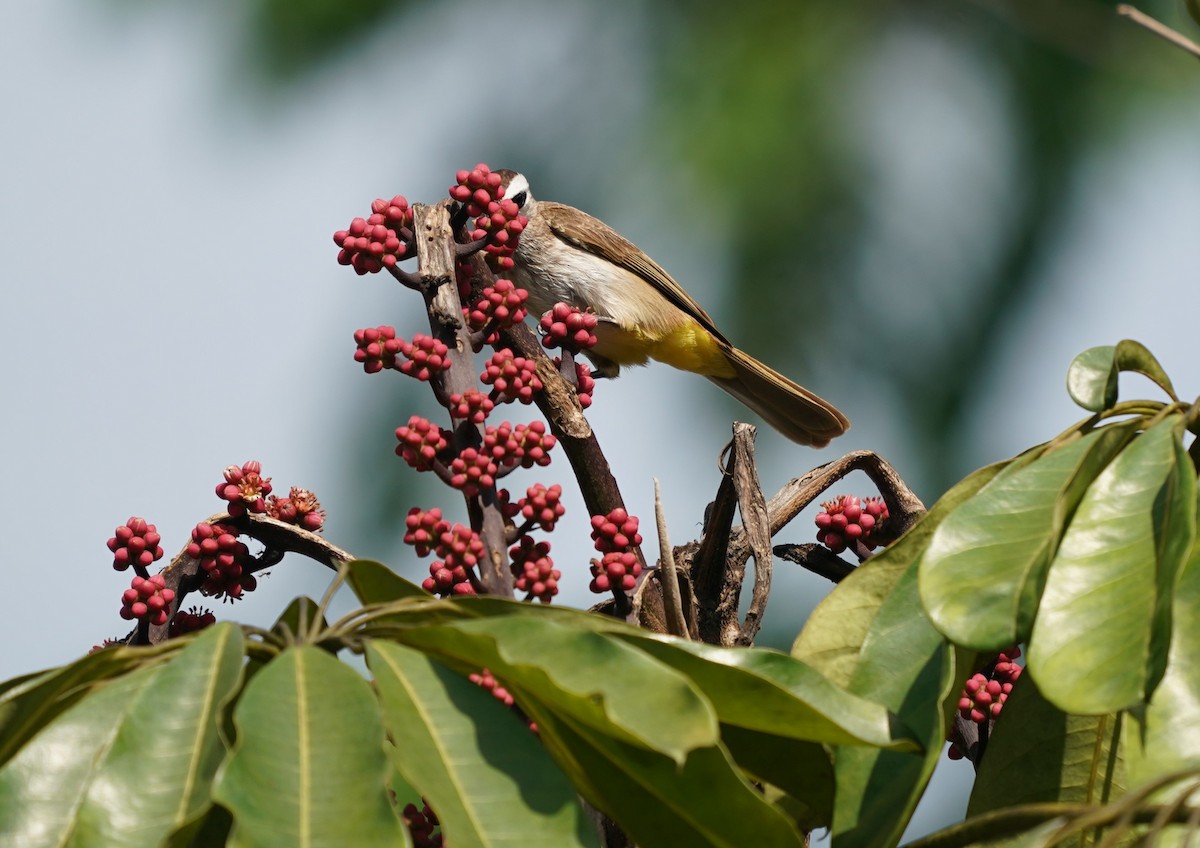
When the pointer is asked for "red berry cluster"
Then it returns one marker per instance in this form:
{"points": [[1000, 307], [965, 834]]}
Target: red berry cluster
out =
{"points": [[568, 327], [585, 384], [511, 377], [422, 824], [498, 220], [498, 307], [847, 520], [420, 442], [377, 348], [425, 355], [378, 241], [533, 570], [541, 506], [300, 507], [460, 549], [147, 599], [615, 535], [224, 561], [488, 681], [135, 543], [525, 445], [471, 471], [984, 695], [190, 621], [472, 405], [423, 528], [245, 488]]}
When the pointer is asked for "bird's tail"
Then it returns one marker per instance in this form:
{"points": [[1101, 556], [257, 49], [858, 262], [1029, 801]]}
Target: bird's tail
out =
{"points": [[787, 406]]}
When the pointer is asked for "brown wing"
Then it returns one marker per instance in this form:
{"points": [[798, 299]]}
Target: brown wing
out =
{"points": [[596, 237]]}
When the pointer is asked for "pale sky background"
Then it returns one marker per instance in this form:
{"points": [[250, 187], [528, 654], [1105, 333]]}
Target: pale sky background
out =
{"points": [[172, 304]]}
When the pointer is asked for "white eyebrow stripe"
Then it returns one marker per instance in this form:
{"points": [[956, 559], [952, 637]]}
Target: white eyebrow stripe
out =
{"points": [[517, 185]]}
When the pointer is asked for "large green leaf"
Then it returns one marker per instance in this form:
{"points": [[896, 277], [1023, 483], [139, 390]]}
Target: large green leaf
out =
{"points": [[906, 665], [31, 702], [375, 583], [133, 761], [1038, 753], [799, 775], [833, 635], [309, 767], [982, 574], [773, 693], [1092, 376], [1165, 736], [661, 803], [599, 681], [486, 776], [1094, 647]]}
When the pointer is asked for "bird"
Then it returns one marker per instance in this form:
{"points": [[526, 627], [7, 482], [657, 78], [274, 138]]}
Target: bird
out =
{"points": [[566, 255]]}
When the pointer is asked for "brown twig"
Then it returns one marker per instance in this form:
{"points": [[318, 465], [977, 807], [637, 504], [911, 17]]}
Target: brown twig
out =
{"points": [[182, 575], [1159, 28], [668, 573]]}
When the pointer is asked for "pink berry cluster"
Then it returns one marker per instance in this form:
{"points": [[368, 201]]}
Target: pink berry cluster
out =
{"points": [[524, 445], [378, 241], [496, 219], [460, 549], [147, 599], [423, 825], [488, 681], [985, 692], [533, 569], [511, 377], [300, 507], [615, 536], [191, 620], [378, 348], [541, 506], [568, 327], [585, 384], [847, 520], [245, 488], [472, 405], [135, 543], [420, 442], [224, 560], [423, 528], [498, 307]]}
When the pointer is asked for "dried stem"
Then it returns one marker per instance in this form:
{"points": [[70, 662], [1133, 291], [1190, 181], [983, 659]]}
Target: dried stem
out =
{"points": [[1159, 28]]}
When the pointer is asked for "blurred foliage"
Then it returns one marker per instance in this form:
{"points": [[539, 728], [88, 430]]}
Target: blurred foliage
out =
{"points": [[766, 109]]}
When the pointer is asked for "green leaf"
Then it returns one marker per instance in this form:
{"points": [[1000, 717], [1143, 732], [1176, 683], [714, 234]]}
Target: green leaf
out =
{"points": [[297, 618], [1133, 356], [833, 635], [1038, 753], [1166, 734], [1094, 647], [1092, 378], [773, 693], [802, 770], [375, 583], [907, 666], [133, 761], [486, 776], [702, 801], [597, 680], [983, 572], [309, 767], [31, 702]]}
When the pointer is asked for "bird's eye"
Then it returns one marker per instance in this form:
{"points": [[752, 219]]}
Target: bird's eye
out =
{"points": [[519, 198]]}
